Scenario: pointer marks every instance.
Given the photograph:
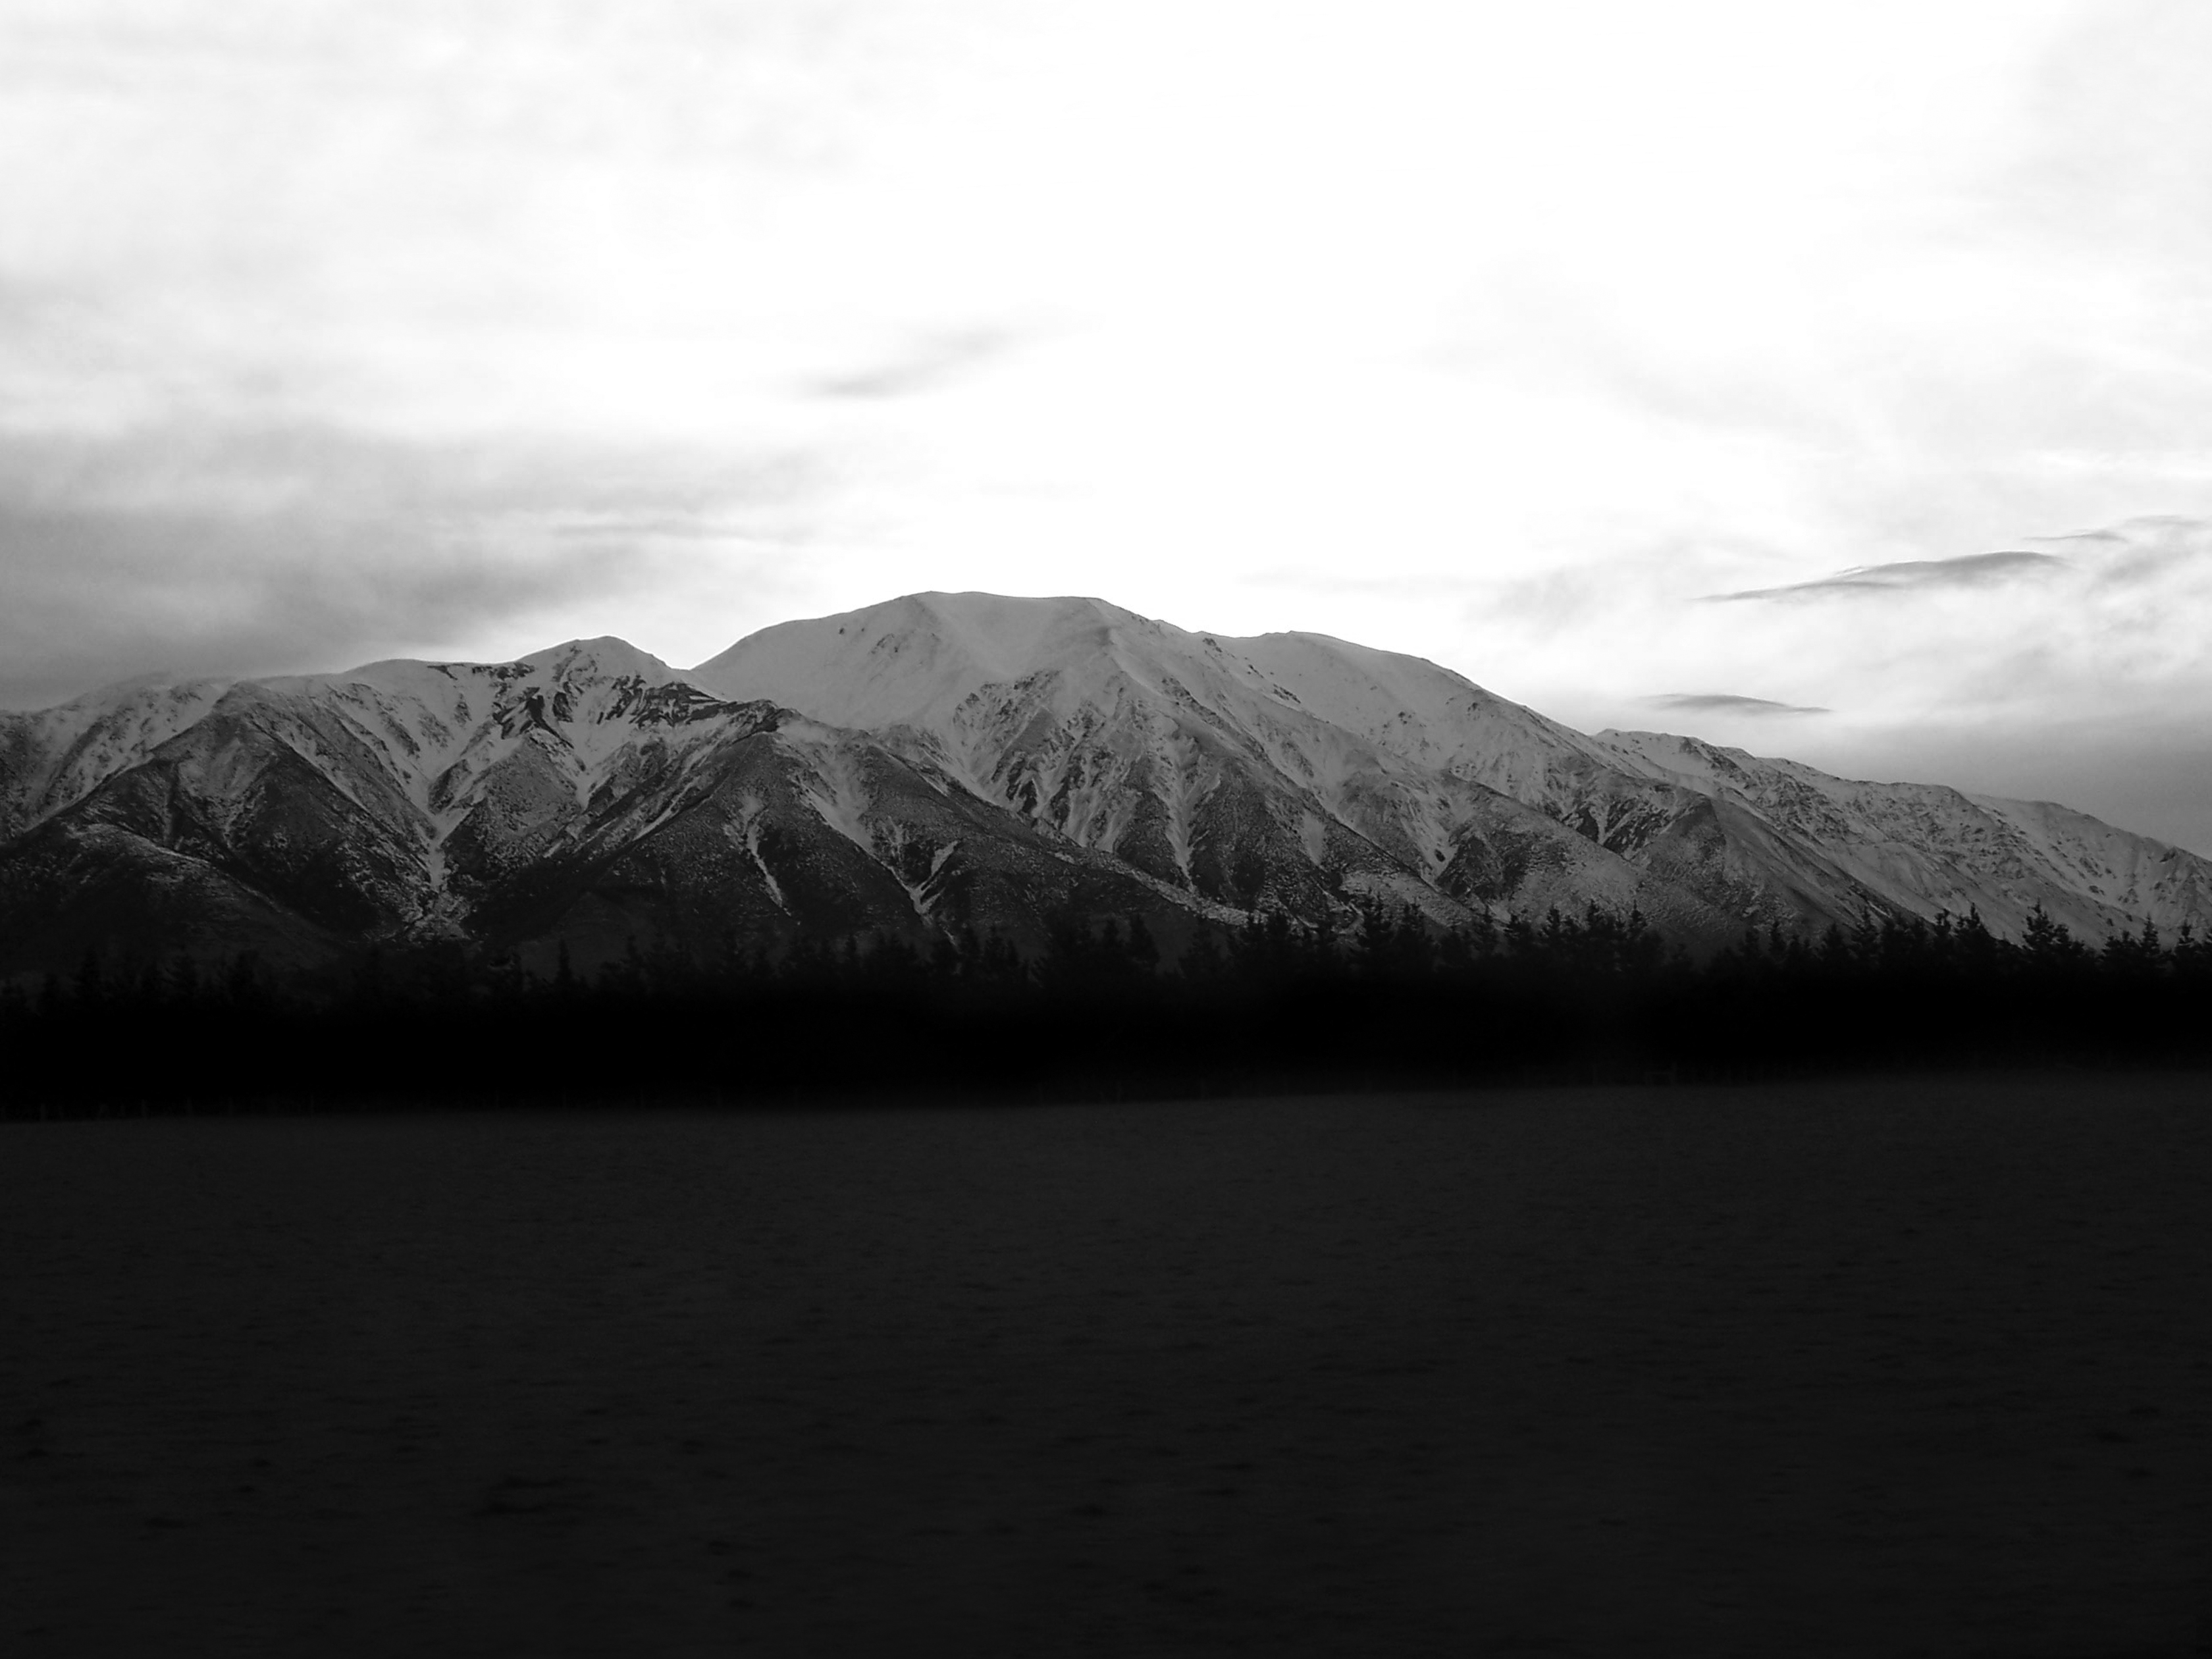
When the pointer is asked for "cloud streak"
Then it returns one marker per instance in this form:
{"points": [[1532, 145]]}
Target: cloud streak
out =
{"points": [[1728, 703], [1972, 570], [935, 363]]}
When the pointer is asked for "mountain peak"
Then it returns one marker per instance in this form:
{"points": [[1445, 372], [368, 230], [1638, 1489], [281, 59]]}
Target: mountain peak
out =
{"points": [[143, 687], [608, 654], [909, 658]]}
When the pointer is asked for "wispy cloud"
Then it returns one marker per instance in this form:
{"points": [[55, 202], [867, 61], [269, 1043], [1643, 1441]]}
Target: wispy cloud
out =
{"points": [[932, 363], [1728, 703], [1413, 585], [2146, 548], [667, 527], [1913, 575], [255, 552]]}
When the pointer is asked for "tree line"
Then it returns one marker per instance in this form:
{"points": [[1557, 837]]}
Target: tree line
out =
{"points": [[1391, 1001]]}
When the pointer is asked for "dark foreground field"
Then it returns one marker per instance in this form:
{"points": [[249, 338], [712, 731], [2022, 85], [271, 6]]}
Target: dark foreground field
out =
{"points": [[1871, 1369]]}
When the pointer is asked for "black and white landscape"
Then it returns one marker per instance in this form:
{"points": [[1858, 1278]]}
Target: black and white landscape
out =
{"points": [[950, 761], [1570, 1017]]}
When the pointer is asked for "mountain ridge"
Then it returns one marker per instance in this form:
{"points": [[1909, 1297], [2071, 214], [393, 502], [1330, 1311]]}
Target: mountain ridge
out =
{"points": [[946, 761]]}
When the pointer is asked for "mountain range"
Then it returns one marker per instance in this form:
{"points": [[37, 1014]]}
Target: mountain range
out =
{"points": [[943, 762]]}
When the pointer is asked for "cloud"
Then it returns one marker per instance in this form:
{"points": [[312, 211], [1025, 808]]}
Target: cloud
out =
{"points": [[665, 526], [1728, 703], [256, 551], [1915, 575], [2149, 549], [933, 363], [1413, 585]]}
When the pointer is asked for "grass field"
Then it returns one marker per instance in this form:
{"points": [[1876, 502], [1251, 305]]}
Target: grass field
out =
{"points": [[1878, 1368]]}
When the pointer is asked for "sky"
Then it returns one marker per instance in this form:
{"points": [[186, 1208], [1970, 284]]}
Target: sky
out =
{"points": [[1831, 380]]}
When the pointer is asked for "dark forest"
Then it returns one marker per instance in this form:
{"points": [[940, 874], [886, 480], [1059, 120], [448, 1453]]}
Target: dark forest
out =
{"points": [[1269, 1007]]}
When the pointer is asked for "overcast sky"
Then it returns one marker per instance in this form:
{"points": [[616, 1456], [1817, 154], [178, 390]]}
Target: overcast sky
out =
{"points": [[1834, 380]]}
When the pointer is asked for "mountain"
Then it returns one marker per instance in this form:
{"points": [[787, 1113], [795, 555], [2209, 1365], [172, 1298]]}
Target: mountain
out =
{"points": [[51, 758], [950, 761], [1325, 767], [1922, 848], [588, 794], [1184, 756]]}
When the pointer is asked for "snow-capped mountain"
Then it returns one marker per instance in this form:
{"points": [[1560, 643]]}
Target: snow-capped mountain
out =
{"points": [[57, 756], [587, 793], [1347, 769], [945, 761], [1923, 848], [1186, 756]]}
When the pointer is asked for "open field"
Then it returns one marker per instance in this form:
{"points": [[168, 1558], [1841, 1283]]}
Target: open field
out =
{"points": [[1869, 1368]]}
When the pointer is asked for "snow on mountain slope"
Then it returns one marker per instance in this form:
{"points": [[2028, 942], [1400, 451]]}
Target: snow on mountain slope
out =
{"points": [[1293, 769], [951, 761], [384, 800], [912, 661], [2128, 875], [1926, 848], [1425, 713], [587, 792], [57, 756], [1304, 768], [1321, 709], [444, 727]]}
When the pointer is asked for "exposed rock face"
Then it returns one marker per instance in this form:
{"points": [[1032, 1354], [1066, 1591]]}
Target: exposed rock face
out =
{"points": [[944, 761]]}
